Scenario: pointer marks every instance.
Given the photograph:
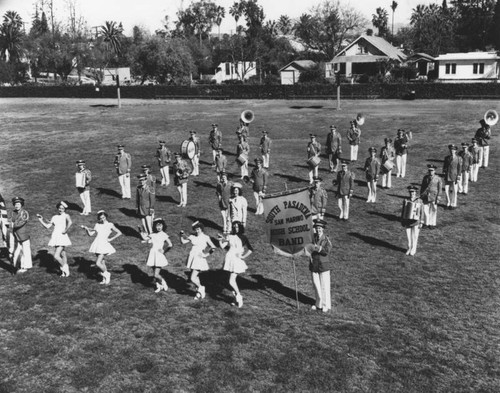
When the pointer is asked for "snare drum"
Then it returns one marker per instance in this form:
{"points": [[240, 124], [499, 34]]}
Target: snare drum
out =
{"points": [[313, 162], [241, 159], [80, 179], [188, 149], [411, 210], [388, 165]]}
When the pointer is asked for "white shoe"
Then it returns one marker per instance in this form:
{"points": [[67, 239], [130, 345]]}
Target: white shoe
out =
{"points": [[239, 300], [22, 270], [158, 288], [164, 286], [201, 291], [408, 252]]}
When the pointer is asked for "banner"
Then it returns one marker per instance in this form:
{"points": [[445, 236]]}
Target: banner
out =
{"points": [[289, 221]]}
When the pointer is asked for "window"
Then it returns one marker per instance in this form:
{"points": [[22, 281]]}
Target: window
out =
{"points": [[450, 68], [362, 49], [453, 68], [228, 69], [447, 68], [478, 68]]}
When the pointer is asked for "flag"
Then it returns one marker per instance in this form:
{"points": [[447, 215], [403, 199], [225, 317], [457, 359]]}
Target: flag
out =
{"points": [[288, 221]]}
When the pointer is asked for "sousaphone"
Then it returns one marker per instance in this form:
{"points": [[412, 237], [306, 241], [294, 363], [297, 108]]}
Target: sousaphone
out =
{"points": [[360, 119], [491, 117], [247, 116]]}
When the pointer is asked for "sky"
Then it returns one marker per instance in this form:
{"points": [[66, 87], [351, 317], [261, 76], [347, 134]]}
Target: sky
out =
{"points": [[150, 13]]}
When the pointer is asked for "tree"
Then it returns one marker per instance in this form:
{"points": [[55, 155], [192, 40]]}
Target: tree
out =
{"points": [[394, 5], [11, 37], [474, 23], [236, 11], [494, 33], [220, 13], [284, 25], [197, 19], [111, 35], [380, 21]]}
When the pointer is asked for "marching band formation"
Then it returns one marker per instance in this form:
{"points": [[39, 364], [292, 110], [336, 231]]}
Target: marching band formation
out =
{"points": [[418, 211]]}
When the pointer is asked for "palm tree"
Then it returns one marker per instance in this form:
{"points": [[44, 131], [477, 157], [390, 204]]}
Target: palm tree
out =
{"points": [[394, 5], [11, 37], [284, 24], [220, 13], [236, 11], [111, 34]]}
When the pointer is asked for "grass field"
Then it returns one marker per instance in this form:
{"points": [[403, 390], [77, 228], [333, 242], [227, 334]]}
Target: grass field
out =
{"points": [[428, 323]]}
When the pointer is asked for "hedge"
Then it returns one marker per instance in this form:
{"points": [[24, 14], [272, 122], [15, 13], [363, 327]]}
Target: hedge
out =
{"points": [[306, 91]]}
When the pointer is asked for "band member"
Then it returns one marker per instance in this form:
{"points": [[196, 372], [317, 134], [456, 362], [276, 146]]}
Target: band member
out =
{"points": [[313, 152], [401, 148], [387, 155], [195, 161], [182, 171], [220, 163], [156, 257], [223, 192], [259, 178], [345, 186], [83, 177], [372, 170], [411, 219], [234, 262], [333, 148], [145, 200], [452, 170], [59, 239], [242, 153], [123, 165], [164, 156], [101, 246], [474, 151], [430, 192], [243, 129], [215, 141], [265, 148], [354, 138], [197, 259], [319, 266], [151, 179], [318, 197], [483, 134], [466, 156], [238, 205], [18, 224]]}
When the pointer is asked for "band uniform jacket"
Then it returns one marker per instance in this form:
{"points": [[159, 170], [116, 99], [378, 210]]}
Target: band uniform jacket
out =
{"points": [[467, 159], [145, 200], [401, 145], [265, 144], [243, 149], [345, 183], [431, 187], [223, 191], [482, 136], [372, 168], [318, 197], [20, 220], [407, 223], [333, 143], [88, 178], [320, 260], [452, 168], [215, 139], [387, 153], [182, 171], [220, 163], [164, 156], [259, 179], [475, 154], [123, 163], [152, 183], [354, 136], [313, 149]]}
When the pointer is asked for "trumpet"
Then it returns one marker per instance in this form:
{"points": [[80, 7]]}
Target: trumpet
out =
{"points": [[491, 117], [247, 116]]}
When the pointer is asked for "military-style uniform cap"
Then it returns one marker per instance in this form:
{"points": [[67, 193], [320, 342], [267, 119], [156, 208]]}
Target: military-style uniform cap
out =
{"points": [[319, 223]]}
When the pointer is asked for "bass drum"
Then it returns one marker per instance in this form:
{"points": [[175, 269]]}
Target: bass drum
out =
{"points": [[188, 149]]}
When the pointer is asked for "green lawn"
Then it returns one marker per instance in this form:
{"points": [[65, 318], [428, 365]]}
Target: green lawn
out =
{"points": [[428, 323]]}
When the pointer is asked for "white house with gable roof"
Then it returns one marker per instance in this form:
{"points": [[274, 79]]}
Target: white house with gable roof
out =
{"points": [[469, 67]]}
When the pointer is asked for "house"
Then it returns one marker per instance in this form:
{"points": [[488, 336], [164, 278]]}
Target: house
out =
{"points": [[364, 56], [423, 63], [469, 67], [290, 73], [109, 76], [240, 70]]}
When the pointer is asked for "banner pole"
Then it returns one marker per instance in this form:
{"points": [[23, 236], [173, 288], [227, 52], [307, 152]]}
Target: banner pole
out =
{"points": [[295, 278]]}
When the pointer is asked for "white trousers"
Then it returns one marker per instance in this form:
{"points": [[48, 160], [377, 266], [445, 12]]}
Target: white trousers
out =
{"points": [[484, 156], [463, 185], [387, 179], [313, 173], [343, 203], [412, 236], [259, 206], [354, 152], [321, 283], [195, 161], [125, 185], [182, 188], [85, 197], [451, 200], [165, 175], [265, 160], [401, 165], [473, 172], [244, 169], [430, 213], [23, 253], [372, 191], [226, 221]]}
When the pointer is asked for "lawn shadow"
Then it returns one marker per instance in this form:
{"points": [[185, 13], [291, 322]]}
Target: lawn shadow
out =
{"points": [[398, 196], [303, 166], [104, 106], [361, 183], [86, 267], [389, 217], [264, 284], [166, 198], [205, 163], [228, 153], [109, 192], [128, 212], [434, 160], [73, 206], [290, 178], [204, 184], [206, 222], [47, 261], [138, 276], [307, 107], [128, 231], [376, 242], [6, 265]]}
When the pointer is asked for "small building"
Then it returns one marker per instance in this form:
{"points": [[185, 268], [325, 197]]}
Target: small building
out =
{"points": [[241, 70], [469, 67], [364, 56], [423, 63], [290, 73], [109, 76]]}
